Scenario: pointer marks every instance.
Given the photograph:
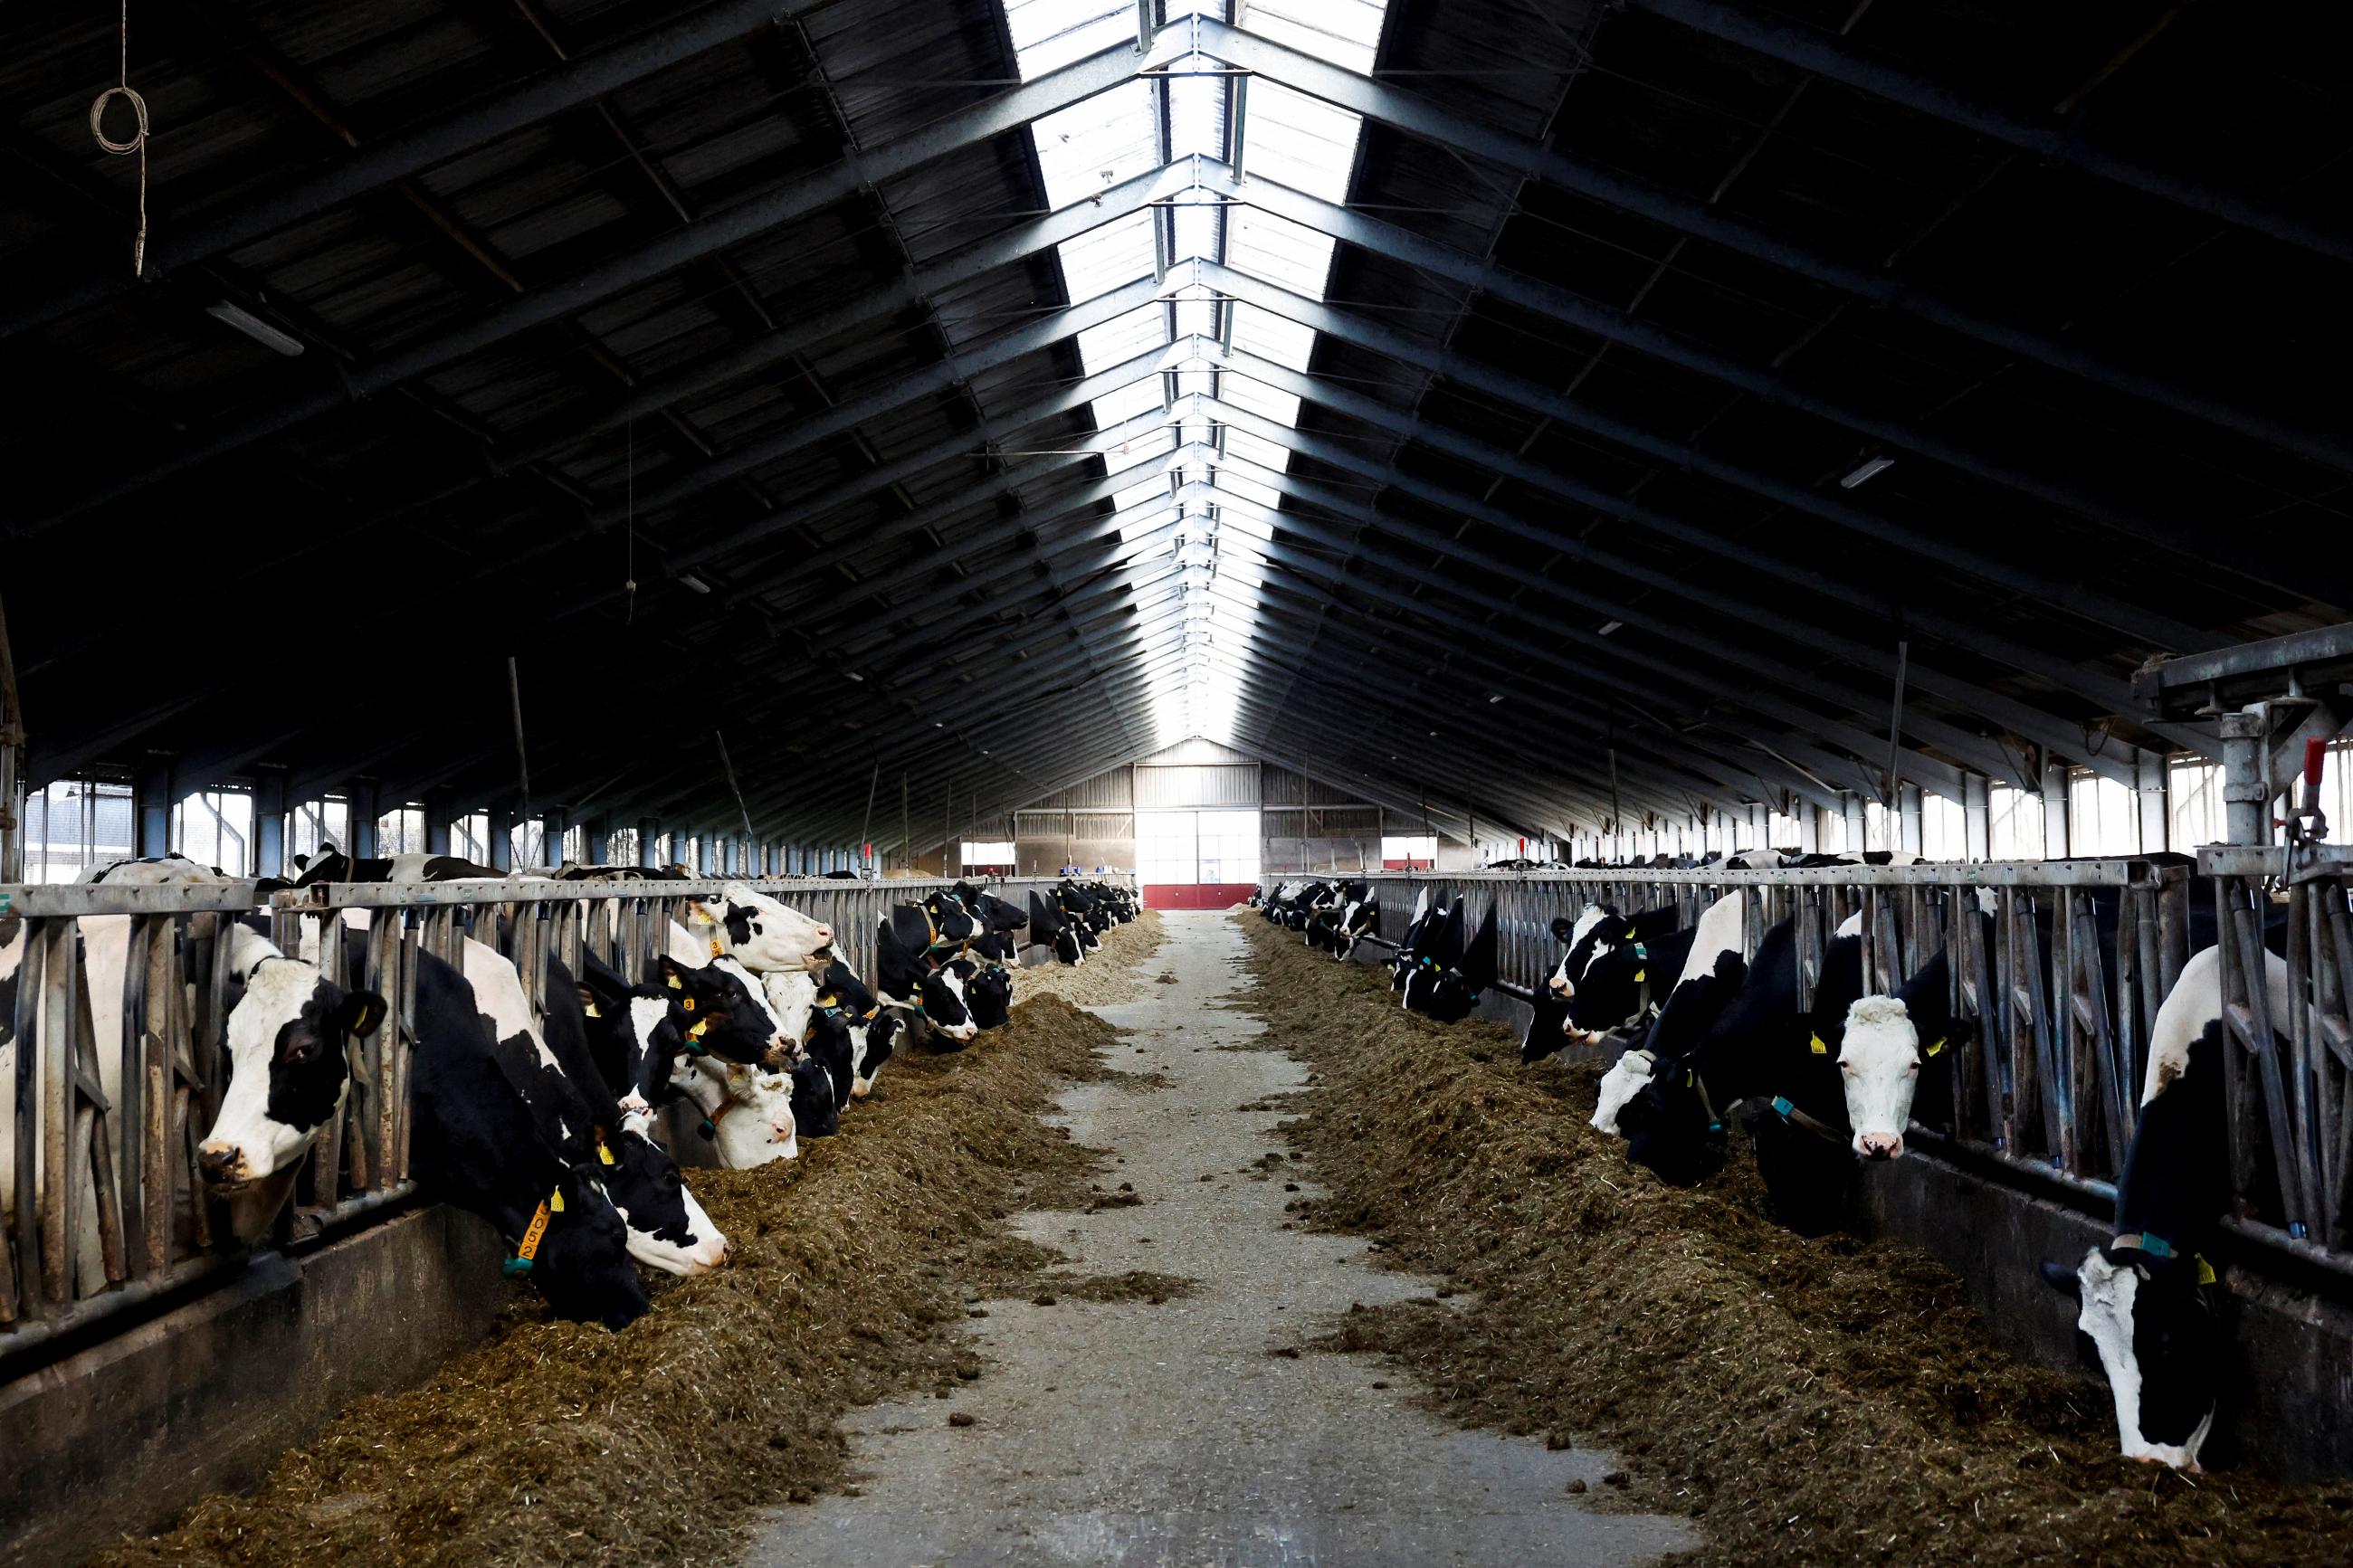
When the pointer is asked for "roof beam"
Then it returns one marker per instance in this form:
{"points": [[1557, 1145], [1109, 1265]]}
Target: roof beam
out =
{"points": [[2062, 145], [1421, 117]]}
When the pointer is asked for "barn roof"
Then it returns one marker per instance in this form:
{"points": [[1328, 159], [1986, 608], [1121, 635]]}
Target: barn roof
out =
{"points": [[1551, 409]]}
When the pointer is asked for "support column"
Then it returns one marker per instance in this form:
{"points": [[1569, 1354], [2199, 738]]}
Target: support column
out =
{"points": [[360, 813], [502, 827], [153, 797], [1809, 828], [1760, 825], [2054, 811], [1977, 817], [439, 809], [596, 840], [2246, 803], [552, 823], [1907, 812], [270, 825], [649, 830], [2153, 780]]}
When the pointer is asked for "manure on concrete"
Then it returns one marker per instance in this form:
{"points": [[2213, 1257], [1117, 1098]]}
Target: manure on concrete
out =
{"points": [[1807, 1401]]}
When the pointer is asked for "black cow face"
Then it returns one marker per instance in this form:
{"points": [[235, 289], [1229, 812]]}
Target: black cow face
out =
{"points": [[583, 1266], [634, 1034], [1067, 946], [815, 1110], [1669, 1128], [1544, 1037], [1807, 1177], [881, 1038], [289, 1033], [944, 1007], [989, 994], [1611, 993], [726, 1016], [2153, 1320]]}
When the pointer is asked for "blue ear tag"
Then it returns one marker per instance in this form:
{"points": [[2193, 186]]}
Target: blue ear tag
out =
{"points": [[706, 1129], [2156, 1245], [515, 1266], [1643, 950]]}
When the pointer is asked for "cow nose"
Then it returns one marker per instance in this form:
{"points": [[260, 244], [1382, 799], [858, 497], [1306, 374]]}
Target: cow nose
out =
{"points": [[824, 935], [219, 1161], [1881, 1145]]}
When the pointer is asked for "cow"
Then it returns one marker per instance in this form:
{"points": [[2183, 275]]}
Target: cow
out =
{"points": [[475, 1143], [578, 1112], [1049, 926], [730, 1008], [1453, 989], [2148, 1300], [902, 980], [333, 865], [988, 991], [843, 1001], [747, 1112], [1886, 1048], [1360, 916], [759, 932], [289, 1034], [1673, 1091], [634, 1032]]}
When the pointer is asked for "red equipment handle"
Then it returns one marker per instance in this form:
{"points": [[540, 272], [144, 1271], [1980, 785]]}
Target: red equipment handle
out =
{"points": [[2315, 754]]}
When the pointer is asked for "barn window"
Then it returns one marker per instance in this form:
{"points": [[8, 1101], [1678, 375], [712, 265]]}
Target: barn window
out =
{"points": [[401, 832], [994, 856], [1944, 828], [469, 837], [215, 827], [1409, 851], [2102, 816], [315, 823], [2014, 823], [77, 823]]}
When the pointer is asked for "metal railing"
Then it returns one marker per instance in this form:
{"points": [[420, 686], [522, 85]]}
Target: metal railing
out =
{"points": [[107, 1208], [2047, 1072]]}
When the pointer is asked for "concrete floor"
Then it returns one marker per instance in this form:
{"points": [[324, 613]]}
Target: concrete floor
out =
{"points": [[1136, 1434]]}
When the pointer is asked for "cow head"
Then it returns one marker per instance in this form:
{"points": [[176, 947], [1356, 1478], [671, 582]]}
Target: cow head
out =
{"points": [[871, 1046], [1610, 995], [1627, 1077], [666, 1228], [289, 1032], [1546, 1013], [815, 1110], [747, 1112], [1577, 935], [988, 992], [764, 935], [634, 1031], [581, 1265], [946, 1008], [1879, 1057], [727, 1015], [1672, 1127], [2151, 1321]]}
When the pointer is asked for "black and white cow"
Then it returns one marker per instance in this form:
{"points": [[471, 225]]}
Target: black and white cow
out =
{"points": [[635, 1031], [1049, 926], [902, 980], [579, 1114], [871, 1029], [747, 1112], [1360, 917], [1701, 1054], [475, 1143], [331, 865], [2148, 1300], [988, 991], [289, 1034], [763, 935]]}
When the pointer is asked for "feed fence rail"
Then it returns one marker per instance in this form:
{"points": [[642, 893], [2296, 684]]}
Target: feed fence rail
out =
{"points": [[107, 1207], [2055, 998]]}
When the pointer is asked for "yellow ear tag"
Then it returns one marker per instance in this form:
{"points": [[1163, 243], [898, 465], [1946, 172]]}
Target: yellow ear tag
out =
{"points": [[555, 1203], [1639, 975], [674, 984], [1630, 933], [591, 1008], [716, 951], [687, 1003], [1937, 1046], [829, 1000], [696, 1031], [603, 1153], [2205, 1271], [1820, 1049]]}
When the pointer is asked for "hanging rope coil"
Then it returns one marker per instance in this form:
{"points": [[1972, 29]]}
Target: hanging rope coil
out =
{"points": [[138, 141]]}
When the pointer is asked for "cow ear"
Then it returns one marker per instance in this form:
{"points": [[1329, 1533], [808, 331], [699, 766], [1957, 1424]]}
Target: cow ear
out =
{"points": [[360, 1012], [670, 972], [588, 1000], [1562, 930], [2064, 1279]]}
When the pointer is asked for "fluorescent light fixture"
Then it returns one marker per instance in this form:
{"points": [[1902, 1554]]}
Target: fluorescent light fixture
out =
{"points": [[254, 327], [853, 674], [1609, 626], [689, 580], [1865, 471], [1494, 697]]}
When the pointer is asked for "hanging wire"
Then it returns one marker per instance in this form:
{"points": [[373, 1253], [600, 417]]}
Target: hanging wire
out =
{"points": [[138, 143], [629, 516]]}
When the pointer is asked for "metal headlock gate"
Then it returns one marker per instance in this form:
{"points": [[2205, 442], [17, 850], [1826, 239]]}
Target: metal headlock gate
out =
{"points": [[2047, 1074], [108, 1210]]}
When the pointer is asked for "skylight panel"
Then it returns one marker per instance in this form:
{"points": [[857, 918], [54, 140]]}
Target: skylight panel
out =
{"points": [[1131, 400], [1249, 490], [1251, 448], [1290, 255], [1270, 336], [1244, 391], [1348, 33], [1300, 142], [1108, 257], [1097, 143], [1122, 338], [1049, 34]]}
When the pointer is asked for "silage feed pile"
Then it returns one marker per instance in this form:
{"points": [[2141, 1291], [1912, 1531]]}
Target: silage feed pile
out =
{"points": [[558, 1443], [1807, 1401], [1107, 978]]}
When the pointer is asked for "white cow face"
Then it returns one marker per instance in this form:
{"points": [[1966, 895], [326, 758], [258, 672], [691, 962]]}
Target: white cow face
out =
{"points": [[1626, 1077], [747, 1112], [2158, 1343], [1880, 1061], [764, 935], [289, 1033]]}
